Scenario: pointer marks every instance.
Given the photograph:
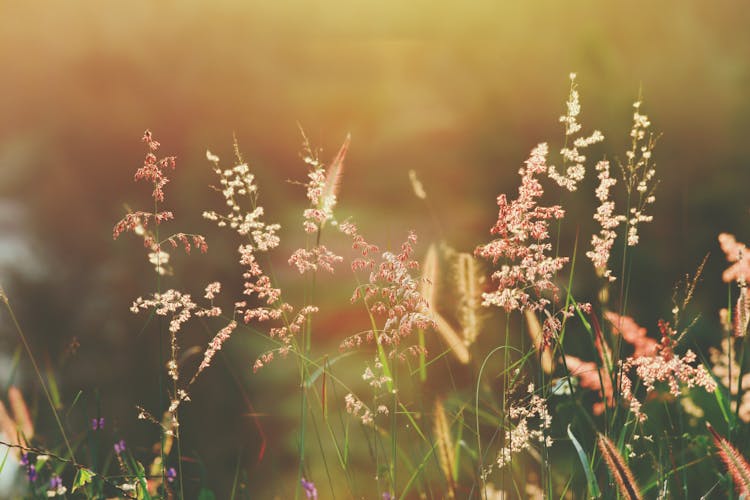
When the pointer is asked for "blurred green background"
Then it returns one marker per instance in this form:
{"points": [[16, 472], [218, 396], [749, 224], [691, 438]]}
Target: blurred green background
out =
{"points": [[459, 92]]}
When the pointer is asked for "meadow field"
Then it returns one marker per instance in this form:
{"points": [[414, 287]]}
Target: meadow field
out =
{"points": [[382, 252]]}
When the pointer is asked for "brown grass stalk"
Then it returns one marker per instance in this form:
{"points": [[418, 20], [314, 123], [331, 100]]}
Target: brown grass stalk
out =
{"points": [[454, 341], [444, 445], [735, 463], [619, 469], [534, 327], [469, 284], [430, 269]]}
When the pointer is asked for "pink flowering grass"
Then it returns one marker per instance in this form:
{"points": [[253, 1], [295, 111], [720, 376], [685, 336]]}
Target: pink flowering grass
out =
{"points": [[423, 384]]}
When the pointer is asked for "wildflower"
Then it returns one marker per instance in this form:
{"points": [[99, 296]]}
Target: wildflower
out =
{"points": [[212, 289], [31, 473], [238, 188], [639, 174], [119, 446], [522, 228], [97, 423], [154, 170], [531, 421], [310, 491], [663, 366], [393, 292], [215, 345], [56, 487], [171, 474], [312, 260], [356, 408], [376, 381], [738, 254]]}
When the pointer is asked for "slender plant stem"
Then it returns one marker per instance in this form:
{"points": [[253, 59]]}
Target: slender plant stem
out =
{"points": [[26, 346]]}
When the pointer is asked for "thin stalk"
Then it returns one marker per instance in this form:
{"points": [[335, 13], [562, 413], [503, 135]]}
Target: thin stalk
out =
{"points": [[161, 361], [26, 346]]}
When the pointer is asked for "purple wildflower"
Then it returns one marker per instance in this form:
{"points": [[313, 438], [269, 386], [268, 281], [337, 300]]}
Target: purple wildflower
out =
{"points": [[31, 473], [97, 423], [120, 446], [55, 482], [171, 474], [310, 491], [24, 459]]}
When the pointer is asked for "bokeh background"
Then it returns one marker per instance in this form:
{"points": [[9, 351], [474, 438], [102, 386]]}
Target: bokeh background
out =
{"points": [[459, 92]]}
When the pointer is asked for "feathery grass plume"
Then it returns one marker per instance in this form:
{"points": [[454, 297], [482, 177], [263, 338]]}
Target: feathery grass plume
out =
{"points": [[430, 275], [429, 290], [638, 173], [534, 327], [522, 231], [741, 312], [333, 177], [322, 188], [417, 186], [444, 444], [245, 217], [727, 370], [451, 338], [528, 422], [608, 221], [392, 292], [154, 170], [469, 281], [620, 471], [735, 463], [323, 185], [573, 159], [663, 366]]}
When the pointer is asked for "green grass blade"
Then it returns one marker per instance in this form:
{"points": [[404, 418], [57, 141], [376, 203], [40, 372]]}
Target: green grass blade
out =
{"points": [[590, 479]]}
